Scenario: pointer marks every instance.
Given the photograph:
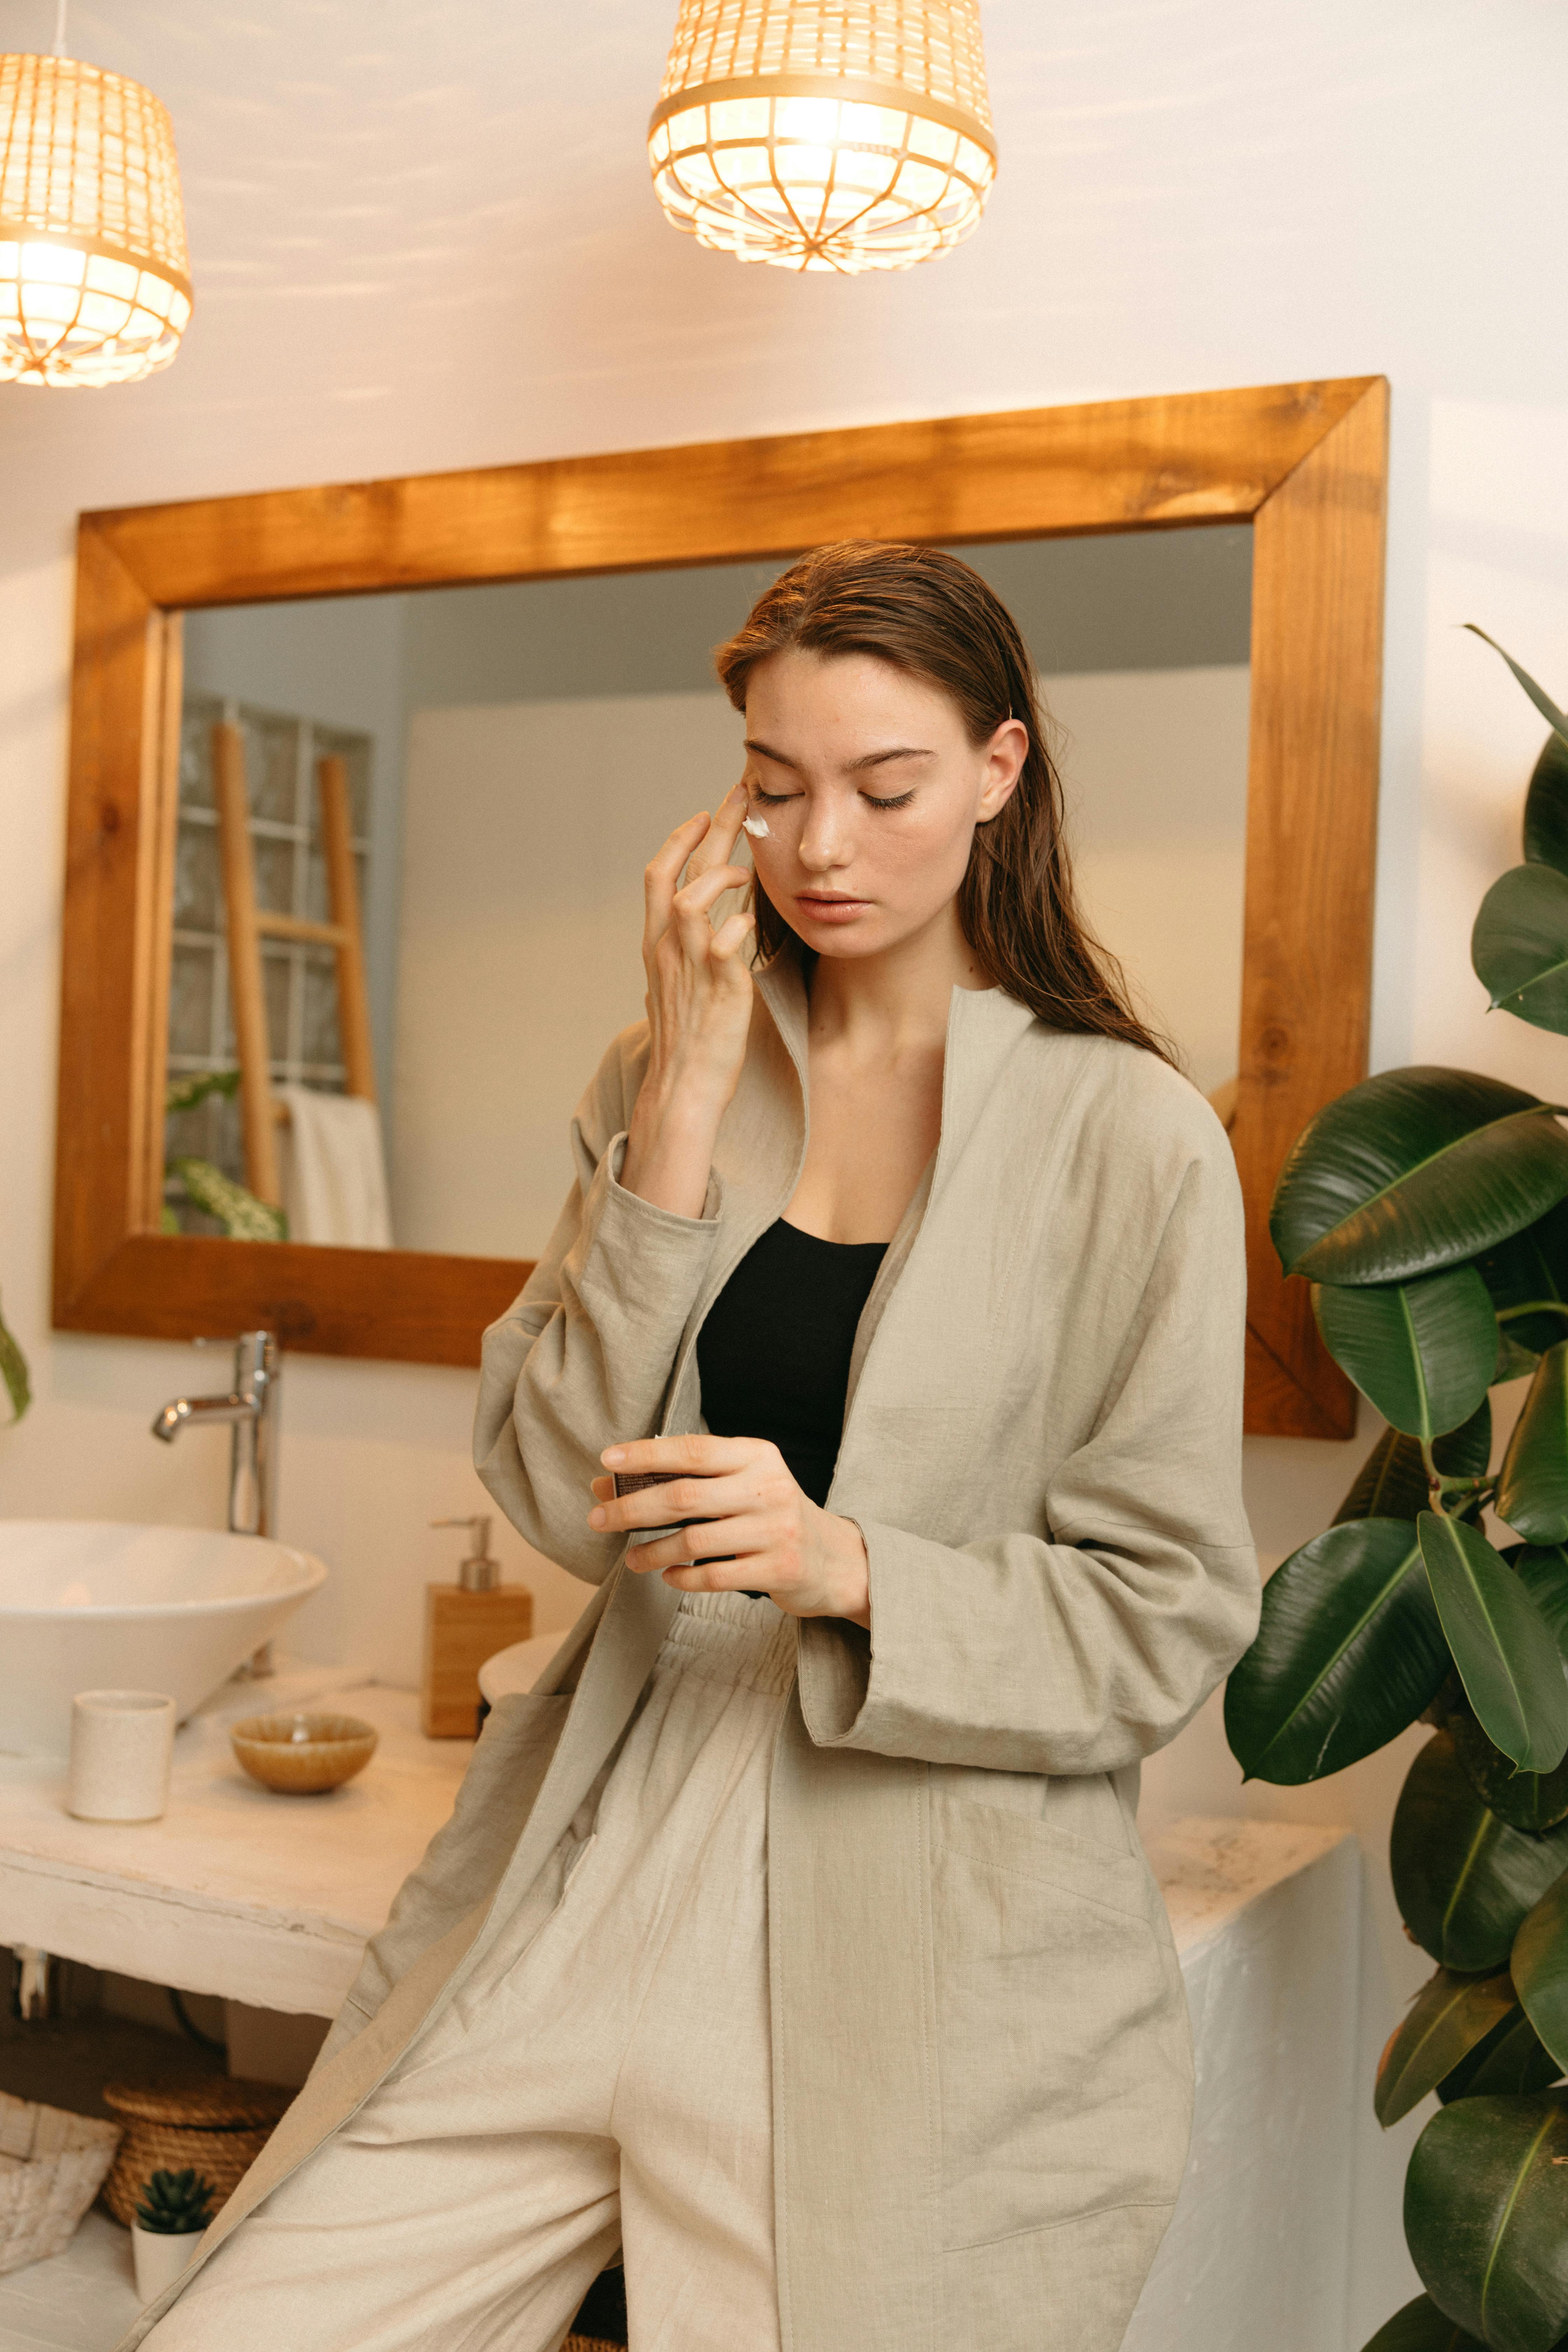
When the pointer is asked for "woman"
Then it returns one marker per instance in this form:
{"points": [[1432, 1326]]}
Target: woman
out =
{"points": [[801, 1946]]}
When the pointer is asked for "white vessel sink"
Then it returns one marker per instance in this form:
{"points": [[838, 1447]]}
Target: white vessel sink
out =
{"points": [[96, 1604], [519, 1668]]}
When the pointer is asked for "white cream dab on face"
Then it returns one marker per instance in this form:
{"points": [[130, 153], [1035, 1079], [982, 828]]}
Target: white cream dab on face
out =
{"points": [[757, 826]]}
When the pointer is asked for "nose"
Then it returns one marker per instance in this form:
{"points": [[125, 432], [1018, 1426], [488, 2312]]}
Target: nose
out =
{"points": [[824, 835]]}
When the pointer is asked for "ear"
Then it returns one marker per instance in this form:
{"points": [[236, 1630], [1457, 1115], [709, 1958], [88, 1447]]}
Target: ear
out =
{"points": [[1004, 761]]}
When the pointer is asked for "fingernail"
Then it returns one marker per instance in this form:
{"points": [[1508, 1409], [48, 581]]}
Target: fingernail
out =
{"points": [[597, 1515], [613, 1453]]}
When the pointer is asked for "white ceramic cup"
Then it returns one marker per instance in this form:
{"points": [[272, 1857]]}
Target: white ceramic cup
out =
{"points": [[121, 1745]]}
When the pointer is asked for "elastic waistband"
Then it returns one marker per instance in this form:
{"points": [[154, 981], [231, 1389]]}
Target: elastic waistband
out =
{"points": [[724, 1637]]}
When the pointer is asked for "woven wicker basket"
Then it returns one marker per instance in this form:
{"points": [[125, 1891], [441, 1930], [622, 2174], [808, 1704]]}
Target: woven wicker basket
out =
{"points": [[51, 2167], [218, 2126], [591, 2343]]}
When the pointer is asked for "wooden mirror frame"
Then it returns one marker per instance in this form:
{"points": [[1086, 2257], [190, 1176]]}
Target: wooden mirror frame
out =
{"points": [[1305, 464]]}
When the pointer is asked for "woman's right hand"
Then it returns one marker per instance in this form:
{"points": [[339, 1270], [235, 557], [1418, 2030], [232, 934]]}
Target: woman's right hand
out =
{"points": [[699, 1009]]}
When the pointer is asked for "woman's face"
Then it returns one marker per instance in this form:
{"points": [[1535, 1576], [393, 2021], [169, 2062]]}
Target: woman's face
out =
{"points": [[871, 791]]}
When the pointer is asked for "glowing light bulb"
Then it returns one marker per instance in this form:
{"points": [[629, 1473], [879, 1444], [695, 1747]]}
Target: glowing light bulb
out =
{"points": [[95, 284], [825, 134]]}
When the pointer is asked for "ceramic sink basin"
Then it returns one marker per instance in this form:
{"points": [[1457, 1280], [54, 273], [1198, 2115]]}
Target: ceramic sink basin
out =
{"points": [[95, 1604], [519, 1668]]}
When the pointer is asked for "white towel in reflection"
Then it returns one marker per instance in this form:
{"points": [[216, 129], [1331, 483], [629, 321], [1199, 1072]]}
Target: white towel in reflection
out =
{"points": [[335, 1171]]}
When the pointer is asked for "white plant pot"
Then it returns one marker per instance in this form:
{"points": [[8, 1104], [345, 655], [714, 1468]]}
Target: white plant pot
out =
{"points": [[160, 2257]]}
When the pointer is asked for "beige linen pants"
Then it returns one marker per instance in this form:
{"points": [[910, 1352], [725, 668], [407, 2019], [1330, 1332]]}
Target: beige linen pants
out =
{"points": [[603, 2079]]}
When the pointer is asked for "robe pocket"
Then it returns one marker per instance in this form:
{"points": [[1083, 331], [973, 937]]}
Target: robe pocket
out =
{"points": [[1039, 1849], [1062, 2038]]}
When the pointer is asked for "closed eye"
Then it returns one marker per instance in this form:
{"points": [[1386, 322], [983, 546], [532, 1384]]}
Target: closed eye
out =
{"points": [[777, 800]]}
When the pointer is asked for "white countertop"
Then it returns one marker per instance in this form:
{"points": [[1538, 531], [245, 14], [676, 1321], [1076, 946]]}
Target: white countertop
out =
{"points": [[1211, 1868], [236, 1891], [270, 1899]]}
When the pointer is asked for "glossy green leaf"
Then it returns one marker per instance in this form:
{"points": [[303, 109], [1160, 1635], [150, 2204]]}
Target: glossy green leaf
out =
{"points": [[1392, 1482], [1540, 1957], [1542, 1570], [1532, 1485], [1529, 1266], [1420, 2327], [1413, 1171], [1546, 807], [1512, 2061], [1424, 1352], [1505, 1652], [1537, 695], [1516, 1361], [1349, 1651], [1535, 1801], [1486, 2217], [1467, 1452], [1464, 1880], [1450, 2016], [1519, 946]]}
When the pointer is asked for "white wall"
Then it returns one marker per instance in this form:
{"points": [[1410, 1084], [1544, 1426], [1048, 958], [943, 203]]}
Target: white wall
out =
{"points": [[1154, 768], [424, 238]]}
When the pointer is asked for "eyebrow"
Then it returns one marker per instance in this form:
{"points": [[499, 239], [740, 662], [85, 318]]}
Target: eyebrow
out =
{"points": [[868, 760]]}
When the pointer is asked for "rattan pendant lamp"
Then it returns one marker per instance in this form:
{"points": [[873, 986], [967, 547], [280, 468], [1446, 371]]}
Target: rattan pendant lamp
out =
{"points": [[825, 134], [95, 285]]}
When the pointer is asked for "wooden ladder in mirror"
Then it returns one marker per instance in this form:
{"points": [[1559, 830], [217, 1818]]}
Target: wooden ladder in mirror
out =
{"points": [[261, 1113]]}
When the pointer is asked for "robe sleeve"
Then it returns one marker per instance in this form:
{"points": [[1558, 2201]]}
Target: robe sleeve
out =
{"points": [[583, 1357]]}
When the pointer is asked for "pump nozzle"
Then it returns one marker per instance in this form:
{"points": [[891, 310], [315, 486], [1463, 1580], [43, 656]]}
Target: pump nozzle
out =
{"points": [[478, 1572]]}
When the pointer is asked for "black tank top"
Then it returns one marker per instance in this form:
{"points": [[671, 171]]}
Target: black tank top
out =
{"points": [[774, 1354]]}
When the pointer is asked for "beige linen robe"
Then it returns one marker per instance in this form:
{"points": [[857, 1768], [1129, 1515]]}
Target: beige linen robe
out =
{"points": [[982, 2061]]}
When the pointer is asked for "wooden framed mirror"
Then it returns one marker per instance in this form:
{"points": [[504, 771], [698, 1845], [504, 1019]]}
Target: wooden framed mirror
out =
{"points": [[1301, 468]]}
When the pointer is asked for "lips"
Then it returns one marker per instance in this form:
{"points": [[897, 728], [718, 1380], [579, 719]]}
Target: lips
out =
{"points": [[830, 907]]}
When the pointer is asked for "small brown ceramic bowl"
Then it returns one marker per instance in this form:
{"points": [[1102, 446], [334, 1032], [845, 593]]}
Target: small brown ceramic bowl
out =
{"points": [[303, 1754]]}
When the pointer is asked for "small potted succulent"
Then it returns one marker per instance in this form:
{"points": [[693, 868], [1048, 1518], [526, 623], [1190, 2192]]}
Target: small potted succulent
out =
{"points": [[173, 2209]]}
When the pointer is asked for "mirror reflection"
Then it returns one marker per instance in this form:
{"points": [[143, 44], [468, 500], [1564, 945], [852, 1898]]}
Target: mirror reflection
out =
{"points": [[412, 830]]}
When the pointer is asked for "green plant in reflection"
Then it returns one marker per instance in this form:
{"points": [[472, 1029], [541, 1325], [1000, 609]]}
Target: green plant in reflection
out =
{"points": [[202, 1185], [1428, 1208], [13, 1372]]}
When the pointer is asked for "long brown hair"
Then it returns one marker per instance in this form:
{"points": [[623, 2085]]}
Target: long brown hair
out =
{"points": [[924, 612]]}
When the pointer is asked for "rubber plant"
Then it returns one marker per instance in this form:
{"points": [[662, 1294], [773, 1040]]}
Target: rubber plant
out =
{"points": [[1428, 1208]]}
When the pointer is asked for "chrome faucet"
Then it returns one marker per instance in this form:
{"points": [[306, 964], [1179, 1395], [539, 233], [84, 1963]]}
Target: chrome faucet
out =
{"points": [[251, 1407]]}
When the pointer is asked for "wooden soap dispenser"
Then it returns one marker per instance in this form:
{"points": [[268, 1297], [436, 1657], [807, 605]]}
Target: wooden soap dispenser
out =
{"points": [[465, 1623]]}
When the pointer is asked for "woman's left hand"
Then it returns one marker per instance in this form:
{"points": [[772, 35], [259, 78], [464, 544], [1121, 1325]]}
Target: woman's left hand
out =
{"points": [[750, 1528]]}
